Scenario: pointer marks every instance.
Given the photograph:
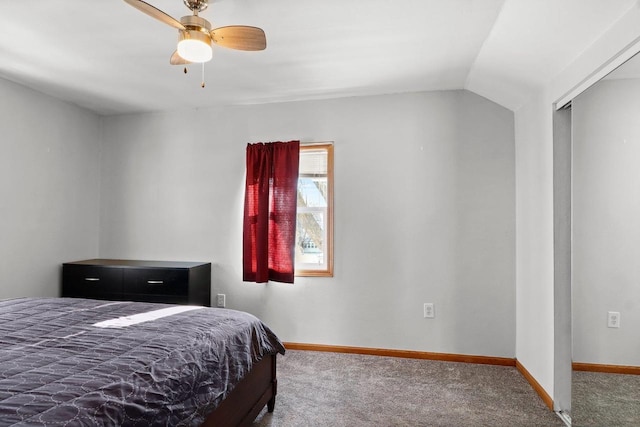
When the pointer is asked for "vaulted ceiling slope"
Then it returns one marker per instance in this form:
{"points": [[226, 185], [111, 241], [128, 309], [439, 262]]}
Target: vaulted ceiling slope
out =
{"points": [[110, 58]]}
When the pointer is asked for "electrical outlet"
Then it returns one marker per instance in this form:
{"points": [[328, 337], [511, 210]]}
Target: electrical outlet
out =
{"points": [[221, 300], [429, 311], [613, 319]]}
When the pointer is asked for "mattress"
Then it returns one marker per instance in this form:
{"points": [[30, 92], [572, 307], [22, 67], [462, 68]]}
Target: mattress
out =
{"points": [[68, 361]]}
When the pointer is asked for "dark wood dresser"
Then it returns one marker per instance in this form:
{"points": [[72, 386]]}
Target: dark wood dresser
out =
{"points": [[133, 280]]}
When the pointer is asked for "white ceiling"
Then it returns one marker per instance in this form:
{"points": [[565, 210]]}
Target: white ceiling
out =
{"points": [[111, 58]]}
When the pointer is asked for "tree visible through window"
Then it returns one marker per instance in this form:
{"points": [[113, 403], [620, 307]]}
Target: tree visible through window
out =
{"points": [[314, 227]]}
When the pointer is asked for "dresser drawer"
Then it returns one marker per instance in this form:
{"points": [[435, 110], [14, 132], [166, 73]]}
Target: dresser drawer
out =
{"points": [[156, 281], [91, 282]]}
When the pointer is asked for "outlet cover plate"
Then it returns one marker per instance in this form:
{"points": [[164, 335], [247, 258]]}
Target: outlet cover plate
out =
{"points": [[429, 310], [613, 319], [221, 300]]}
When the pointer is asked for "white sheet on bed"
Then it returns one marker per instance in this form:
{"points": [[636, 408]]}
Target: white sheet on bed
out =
{"points": [[121, 322]]}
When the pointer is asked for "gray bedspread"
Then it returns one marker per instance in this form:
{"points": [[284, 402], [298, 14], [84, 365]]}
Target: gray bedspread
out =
{"points": [[57, 369]]}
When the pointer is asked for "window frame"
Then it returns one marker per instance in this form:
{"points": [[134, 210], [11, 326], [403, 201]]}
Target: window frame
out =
{"points": [[328, 271]]}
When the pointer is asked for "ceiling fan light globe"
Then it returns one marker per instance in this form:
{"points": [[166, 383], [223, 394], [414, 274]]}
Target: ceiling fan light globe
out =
{"points": [[194, 46]]}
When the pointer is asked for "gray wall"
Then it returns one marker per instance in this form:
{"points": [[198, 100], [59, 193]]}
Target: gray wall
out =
{"points": [[49, 189], [425, 211], [606, 222]]}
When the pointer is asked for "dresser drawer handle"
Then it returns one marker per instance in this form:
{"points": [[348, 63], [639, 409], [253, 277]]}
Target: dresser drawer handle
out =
{"points": [[155, 282], [92, 279]]}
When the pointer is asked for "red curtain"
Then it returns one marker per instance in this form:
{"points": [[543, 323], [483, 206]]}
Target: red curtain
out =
{"points": [[270, 203]]}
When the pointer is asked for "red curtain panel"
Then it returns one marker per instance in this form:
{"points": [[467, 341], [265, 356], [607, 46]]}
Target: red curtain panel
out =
{"points": [[270, 212]]}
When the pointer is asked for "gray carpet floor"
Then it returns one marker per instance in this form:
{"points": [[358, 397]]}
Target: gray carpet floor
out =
{"points": [[603, 400], [330, 389]]}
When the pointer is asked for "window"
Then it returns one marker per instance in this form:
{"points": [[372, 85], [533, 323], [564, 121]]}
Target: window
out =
{"points": [[314, 225]]}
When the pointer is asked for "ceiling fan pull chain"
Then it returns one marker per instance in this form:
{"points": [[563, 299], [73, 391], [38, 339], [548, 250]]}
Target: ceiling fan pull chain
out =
{"points": [[203, 74]]}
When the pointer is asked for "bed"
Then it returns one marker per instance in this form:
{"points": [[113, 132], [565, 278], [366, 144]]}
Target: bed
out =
{"points": [[69, 361]]}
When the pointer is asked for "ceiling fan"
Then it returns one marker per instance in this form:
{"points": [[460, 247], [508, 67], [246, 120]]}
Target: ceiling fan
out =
{"points": [[195, 34]]}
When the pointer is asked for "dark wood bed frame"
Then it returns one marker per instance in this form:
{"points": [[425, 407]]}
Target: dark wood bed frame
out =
{"points": [[241, 407]]}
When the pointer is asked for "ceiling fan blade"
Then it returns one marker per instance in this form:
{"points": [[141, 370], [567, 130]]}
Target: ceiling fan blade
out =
{"points": [[239, 37], [178, 60], [155, 13]]}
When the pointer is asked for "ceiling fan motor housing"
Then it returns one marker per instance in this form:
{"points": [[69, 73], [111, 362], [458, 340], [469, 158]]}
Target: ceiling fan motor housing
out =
{"points": [[196, 23], [194, 35]]}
